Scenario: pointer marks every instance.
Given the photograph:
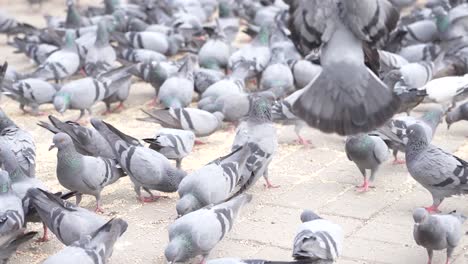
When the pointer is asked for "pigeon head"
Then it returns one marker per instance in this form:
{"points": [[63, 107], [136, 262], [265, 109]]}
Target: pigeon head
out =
{"points": [[61, 141], [178, 249], [261, 110], [451, 118], [5, 182], [188, 203], [62, 102], [5, 121], [416, 133], [433, 117], [308, 216], [420, 215]]}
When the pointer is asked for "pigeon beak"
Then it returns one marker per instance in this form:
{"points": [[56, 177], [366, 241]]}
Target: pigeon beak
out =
{"points": [[51, 147]]}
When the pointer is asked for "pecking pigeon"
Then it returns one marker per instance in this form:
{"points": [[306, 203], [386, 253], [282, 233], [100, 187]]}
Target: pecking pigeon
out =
{"points": [[457, 114]]}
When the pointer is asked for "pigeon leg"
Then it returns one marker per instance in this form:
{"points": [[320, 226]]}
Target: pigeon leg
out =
{"points": [[35, 111], [120, 107], [179, 163], [396, 160], [44, 237], [21, 106], [365, 186], [82, 113], [434, 208], [108, 109], [153, 102], [198, 142], [78, 198], [298, 126], [268, 184], [152, 198], [449, 254], [98, 205], [430, 253]]}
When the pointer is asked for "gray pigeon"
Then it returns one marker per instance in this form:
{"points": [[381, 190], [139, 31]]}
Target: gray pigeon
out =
{"points": [[197, 233], [204, 78], [101, 56], [87, 141], [437, 232], [201, 123], [420, 52], [304, 72], [60, 215], [457, 114], [83, 174], [9, 244], [346, 97], [141, 55], [174, 144], [277, 76], [368, 153], [155, 41], [441, 173], [213, 183], [257, 129], [122, 92], [146, 168], [11, 207], [60, 64], [31, 92], [317, 239], [94, 248], [38, 52], [177, 91], [10, 26], [253, 261], [20, 142], [214, 54]]}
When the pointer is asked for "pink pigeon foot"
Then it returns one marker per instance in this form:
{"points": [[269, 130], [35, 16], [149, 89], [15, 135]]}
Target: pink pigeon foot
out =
{"points": [[364, 187], [198, 142], [98, 210], [398, 161], [432, 209], [269, 185], [44, 237], [153, 102]]}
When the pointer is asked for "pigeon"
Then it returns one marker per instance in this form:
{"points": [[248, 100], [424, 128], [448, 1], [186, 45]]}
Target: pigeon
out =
{"points": [[277, 76], [252, 261], [317, 239], [441, 173], [346, 97], [101, 56], [204, 78], [416, 75], [457, 114], [197, 233], [31, 92], [146, 168], [60, 215], [155, 41], [83, 174], [368, 153], [447, 90], [304, 72], [258, 129], [11, 207], [420, 52], [201, 123], [122, 92], [93, 248], [437, 232], [177, 91], [38, 52], [140, 55], [410, 98], [61, 64], [20, 142], [215, 53], [9, 244], [87, 141], [174, 144], [213, 183], [10, 26]]}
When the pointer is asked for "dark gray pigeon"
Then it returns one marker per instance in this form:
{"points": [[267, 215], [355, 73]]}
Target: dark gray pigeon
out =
{"points": [[146, 168], [174, 144], [11, 207], [458, 114], [441, 173], [317, 239], [94, 248], [87, 141], [83, 174], [368, 153], [31, 92], [213, 183], [437, 232], [68, 222], [197, 233], [9, 244], [20, 142], [346, 97]]}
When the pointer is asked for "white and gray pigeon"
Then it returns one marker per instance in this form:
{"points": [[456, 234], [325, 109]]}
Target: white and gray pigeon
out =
{"points": [[101, 56], [11, 207], [346, 97], [60, 64], [368, 153], [174, 144], [447, 91], [420, 52], [277, 76], [37, 52], [156, 41], [141, 55], [177, 91], [87, 141], [317, 239], [257, 128], [441, 173], [94, 248], [201, 123], [458, 114], [437, 232], [197, 233], [68, 222], [213, 183], [9, 244], [20, 142], [31, 92], [83, 174], [146, 168]]}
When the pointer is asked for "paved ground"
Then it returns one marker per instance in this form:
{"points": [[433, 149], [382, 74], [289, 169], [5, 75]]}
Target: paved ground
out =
{"points": [[378, 224]]}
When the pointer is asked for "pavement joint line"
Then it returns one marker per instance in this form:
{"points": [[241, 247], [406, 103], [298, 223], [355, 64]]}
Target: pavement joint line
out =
{"points": [[259, 243]]}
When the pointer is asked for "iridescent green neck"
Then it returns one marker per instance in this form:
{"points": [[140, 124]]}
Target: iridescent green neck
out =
{"points": [[443, 23]]}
